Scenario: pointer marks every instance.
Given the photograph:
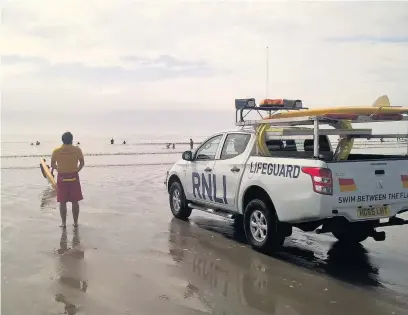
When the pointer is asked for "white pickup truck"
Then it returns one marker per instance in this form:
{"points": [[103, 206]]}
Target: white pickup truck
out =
{"points": [[299, 184]]}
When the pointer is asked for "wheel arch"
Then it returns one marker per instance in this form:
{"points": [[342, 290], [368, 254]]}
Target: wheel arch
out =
{"points": [[173, 178], [256, 192]]}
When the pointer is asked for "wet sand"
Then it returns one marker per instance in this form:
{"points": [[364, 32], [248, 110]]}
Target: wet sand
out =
{"points": [[129, 256]]}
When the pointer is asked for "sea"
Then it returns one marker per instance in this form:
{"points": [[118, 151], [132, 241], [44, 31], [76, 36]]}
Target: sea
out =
{"points": [[146, 133]]}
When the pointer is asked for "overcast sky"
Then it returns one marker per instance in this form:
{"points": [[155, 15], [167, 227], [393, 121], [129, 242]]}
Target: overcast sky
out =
{"points": [[123, 54]]}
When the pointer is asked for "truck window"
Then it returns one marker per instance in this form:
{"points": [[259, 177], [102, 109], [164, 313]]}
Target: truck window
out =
{"points": [[234, 145], [208, 149], [301, 148]]}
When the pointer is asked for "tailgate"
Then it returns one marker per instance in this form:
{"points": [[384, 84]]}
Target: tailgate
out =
{"points": [[371, 187]]}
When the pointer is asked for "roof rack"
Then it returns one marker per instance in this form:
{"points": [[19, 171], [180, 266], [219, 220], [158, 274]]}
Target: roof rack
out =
{"points": [[273, 106], [244, 106], [351, 133]]}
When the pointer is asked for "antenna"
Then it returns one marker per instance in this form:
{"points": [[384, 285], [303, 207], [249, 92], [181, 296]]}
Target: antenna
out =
{"points": [[267, 72]]}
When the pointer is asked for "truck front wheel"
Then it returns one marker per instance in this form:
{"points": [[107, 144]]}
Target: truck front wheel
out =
{"points": [[262, 227], [178, 202]]}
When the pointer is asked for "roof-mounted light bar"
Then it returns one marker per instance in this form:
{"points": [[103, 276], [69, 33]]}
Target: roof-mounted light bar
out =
{"points": [[269, 104], [281, 104]]}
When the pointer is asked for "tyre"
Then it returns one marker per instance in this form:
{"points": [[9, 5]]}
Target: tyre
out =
{"points": [[262, 227], [350, 236], [178, 203]]}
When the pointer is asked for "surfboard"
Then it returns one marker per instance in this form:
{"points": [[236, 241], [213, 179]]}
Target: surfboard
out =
{"points": [[47, 174], [380, 107]]}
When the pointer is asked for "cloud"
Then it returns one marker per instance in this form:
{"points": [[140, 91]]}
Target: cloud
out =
{"points": [[18, 60], [202, 54], [165, 61], [161, 68], [371, 39]]}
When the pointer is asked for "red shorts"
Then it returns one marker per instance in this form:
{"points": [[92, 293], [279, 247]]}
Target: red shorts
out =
{"points": [[68, 188]]}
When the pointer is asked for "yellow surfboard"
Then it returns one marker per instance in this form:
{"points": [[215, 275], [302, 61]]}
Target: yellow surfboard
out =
{"points": [[380, 107], [47, 173]]}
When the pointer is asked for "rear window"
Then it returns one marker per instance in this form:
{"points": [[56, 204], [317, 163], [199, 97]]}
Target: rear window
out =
{"points": [[297, 148]]}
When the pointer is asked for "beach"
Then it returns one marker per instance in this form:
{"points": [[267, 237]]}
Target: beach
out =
{"points": [[134, 82], [130, 256]]}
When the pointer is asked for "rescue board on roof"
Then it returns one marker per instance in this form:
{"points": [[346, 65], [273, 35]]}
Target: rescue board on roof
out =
{"points": [[381, 110]]}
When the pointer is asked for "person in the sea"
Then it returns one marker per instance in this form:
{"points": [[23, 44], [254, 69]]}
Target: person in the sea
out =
{"points": [[112, 141], [68, 160]]}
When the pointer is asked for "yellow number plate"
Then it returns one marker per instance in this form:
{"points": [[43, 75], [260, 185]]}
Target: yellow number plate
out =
{"points": [[370, 212]]}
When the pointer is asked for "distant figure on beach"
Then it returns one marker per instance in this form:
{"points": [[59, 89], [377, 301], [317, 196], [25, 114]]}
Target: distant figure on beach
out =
{"points": [[37, 143], [124, 142], [112, 141], [168, 145], [174, 145], [191, 144], [78, 143], [32, 143], [68, 160]]}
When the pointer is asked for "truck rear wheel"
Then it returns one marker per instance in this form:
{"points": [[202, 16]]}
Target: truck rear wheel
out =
{"points": [[261, 227], [178, 202]]}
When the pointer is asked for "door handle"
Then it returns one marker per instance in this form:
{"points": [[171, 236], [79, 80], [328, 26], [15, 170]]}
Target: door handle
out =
{"points": [[235, 169], [208, 169]]}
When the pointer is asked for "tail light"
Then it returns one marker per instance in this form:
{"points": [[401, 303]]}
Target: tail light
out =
{"points": [[321, 179]]}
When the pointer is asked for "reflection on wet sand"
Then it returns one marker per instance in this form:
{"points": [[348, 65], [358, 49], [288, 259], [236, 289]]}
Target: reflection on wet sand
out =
{"points": [[346, 262], [351, 264], [232, 279], [48, 197], [71, 284]]}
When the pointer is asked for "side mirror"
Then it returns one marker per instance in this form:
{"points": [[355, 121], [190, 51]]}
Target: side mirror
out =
{"points": [[187, 156]]}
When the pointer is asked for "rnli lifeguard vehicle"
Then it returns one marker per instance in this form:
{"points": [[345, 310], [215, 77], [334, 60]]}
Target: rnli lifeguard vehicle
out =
{"points": [[281, 170]]}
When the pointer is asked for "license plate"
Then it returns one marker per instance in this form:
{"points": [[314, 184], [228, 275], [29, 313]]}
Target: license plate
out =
{"points": [[370, 212]]}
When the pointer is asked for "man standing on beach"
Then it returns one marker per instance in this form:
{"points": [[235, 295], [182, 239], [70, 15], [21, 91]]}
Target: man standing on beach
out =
{"points": [[191, 144], [68, 160]]}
